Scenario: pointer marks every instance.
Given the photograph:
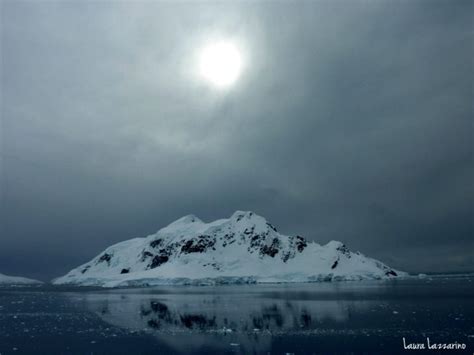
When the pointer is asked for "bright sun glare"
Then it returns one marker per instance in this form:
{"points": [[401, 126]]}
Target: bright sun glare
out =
{"points": [[220, 63]]}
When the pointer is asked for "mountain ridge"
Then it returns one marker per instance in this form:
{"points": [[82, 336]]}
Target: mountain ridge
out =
{"points": [[17, 280], [244, 248]]}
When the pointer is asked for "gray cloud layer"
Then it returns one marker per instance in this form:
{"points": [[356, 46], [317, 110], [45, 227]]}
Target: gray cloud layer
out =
{"points": [[352, 121]]}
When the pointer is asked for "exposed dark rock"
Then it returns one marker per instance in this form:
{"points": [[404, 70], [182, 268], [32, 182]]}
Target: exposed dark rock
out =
{"points": [[271, 226], [162, 257], [249, 231], [83, 271], [158, 260], [216, 266], [146, 254], [391, 273], [199, 245], [344, 250], [285, 257], [335, 264], [156, 243], [256, 240], [300, 243], [271, 250], [170, 249], [105, 258], [125, 271], [229, 236]]}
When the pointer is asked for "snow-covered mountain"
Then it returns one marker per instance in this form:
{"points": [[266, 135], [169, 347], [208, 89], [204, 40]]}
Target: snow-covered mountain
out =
{"points": [[15, 280], [244, 248]]}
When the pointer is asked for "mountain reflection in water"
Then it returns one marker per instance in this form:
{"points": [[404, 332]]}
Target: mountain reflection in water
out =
{"points": [[220, 318], [320, 318]]}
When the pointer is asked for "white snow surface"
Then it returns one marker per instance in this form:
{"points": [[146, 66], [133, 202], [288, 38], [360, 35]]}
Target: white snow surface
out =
{"points": [[16, 280], [244, 248]]}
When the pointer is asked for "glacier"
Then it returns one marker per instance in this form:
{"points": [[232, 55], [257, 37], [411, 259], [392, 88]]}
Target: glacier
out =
{"points": [[244, 248], [17, 280]]}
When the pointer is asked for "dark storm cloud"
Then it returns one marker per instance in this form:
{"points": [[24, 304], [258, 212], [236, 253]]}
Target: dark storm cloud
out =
{"points": [[352, 121]]}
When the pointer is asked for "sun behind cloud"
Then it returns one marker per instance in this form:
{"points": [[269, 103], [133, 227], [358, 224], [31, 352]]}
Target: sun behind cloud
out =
{"points": [[220, 63]]}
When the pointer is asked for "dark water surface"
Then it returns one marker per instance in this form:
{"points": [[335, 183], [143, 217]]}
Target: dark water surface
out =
{"points": [[319, 318]]}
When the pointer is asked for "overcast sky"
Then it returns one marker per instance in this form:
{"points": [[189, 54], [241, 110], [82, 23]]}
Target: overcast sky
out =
{"points": [[352, 121]]}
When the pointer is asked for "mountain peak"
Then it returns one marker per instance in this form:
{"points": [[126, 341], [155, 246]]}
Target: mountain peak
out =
{"points": [[190, 218], [243, 220], [239, 215], [184, 221]]}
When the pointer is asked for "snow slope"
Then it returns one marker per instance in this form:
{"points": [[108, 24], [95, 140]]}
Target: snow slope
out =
{"points": [[15, 280], [244, 248]]}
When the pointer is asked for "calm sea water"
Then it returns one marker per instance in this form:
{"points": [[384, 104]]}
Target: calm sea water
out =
{"points": [[370, 317]]}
